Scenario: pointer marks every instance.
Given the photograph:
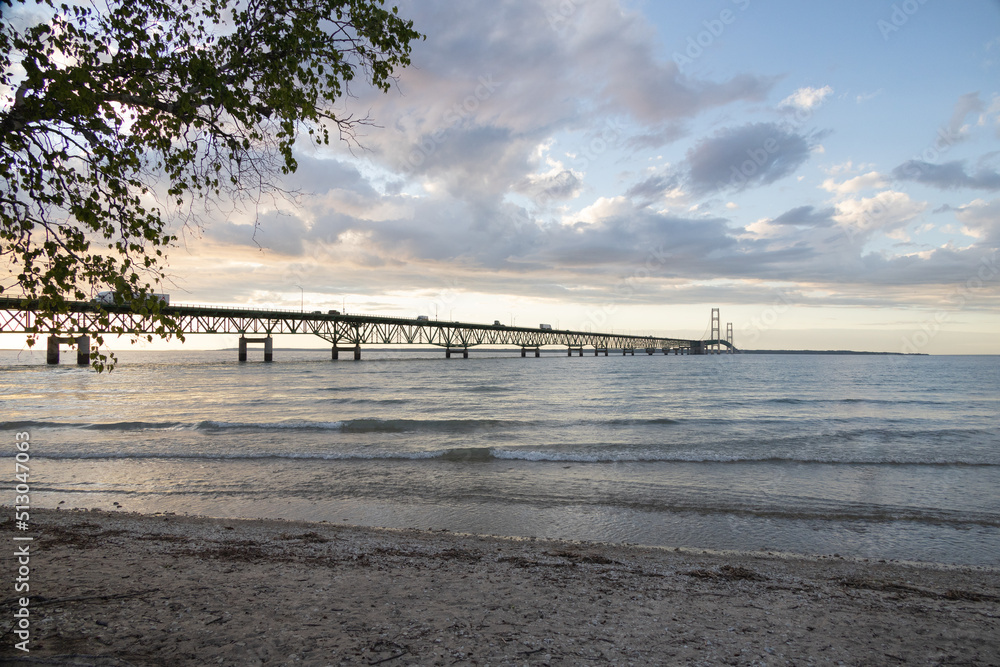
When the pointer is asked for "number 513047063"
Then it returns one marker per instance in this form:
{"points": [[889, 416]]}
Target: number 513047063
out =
{"points": [[22, 501]]}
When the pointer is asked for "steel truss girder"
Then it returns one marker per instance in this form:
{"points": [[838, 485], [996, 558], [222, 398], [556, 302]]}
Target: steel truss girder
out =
{"points": [[339, 330]]}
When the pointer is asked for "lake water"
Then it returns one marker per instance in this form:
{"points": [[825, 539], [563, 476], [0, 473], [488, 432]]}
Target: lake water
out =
{"points": [[871, 456]]}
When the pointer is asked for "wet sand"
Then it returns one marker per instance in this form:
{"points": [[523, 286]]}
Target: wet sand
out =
{"points": [[127, 589]]}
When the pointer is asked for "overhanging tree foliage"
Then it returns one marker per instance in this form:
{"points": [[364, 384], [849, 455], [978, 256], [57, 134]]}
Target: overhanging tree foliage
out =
{"points": [[116, 119]]}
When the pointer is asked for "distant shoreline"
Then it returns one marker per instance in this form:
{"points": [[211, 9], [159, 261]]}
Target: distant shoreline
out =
{"points": [[896, 354]]}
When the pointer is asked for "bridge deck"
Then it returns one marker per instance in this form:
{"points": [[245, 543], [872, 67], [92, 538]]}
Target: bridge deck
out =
{"points": [[341, 330]]}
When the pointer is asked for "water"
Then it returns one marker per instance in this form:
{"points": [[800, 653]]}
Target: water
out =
{"points": [[870, 456]]}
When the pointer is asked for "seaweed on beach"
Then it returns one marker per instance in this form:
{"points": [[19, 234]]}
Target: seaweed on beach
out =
{"points": [[727, 573], [242, 551], [310, 537], [163, 537], [954, 594], [521, 561], [582, 557], [459, 555], [75, 537], [861, 583]]}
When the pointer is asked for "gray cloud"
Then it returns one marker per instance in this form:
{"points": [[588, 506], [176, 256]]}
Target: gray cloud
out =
{"points": [[806, 216], [653, 187], [628, 237], [658, 137], [747, 156], [561, 185], [281, 233], [970, 103], [947, 176], [315, 175]]}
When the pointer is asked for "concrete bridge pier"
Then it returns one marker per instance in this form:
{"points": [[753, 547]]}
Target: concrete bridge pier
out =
{"points": [[465, 353], [577, 349], [598, 350], [268, 347], [538, 352], [336, 350], [650, 351], [82, 349], [628, 350]]}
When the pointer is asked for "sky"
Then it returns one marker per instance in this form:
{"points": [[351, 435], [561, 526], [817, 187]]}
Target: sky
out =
{"points": [[826, 173]]}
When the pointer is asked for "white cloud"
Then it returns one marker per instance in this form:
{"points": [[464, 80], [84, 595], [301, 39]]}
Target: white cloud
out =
{"points": [[604, 207], [886, 211], [806, 98], [980, 218], [870, 181], [864, 97], [766, 229], [847, 167], [558, 183]]}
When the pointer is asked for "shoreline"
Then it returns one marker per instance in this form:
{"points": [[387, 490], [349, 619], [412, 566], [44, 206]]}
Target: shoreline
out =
{"points": [[160, 589]]}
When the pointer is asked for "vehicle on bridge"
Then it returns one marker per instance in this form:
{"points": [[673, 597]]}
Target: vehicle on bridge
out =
{"points": [[545, 327]]}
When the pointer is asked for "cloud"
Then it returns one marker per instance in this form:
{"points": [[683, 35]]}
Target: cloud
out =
{"points": [[653, 188], [806, 216], [494, 80], [558, 183], [746, 156], [970, 103], [500, 105], [947, 176], [981, 219], [870, 181], [886, 211], [615, 236], [275, 232], [864, 97], [994, 112], [806, 98], [317, 175], [658, 137]]}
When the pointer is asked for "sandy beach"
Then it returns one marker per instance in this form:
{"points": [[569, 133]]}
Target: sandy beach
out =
{"points": [[127, 589]]}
